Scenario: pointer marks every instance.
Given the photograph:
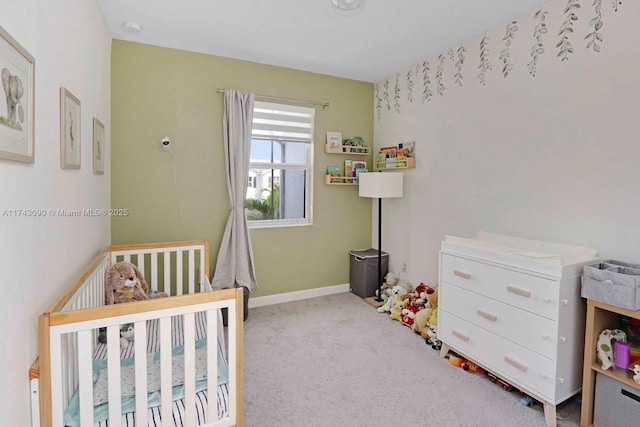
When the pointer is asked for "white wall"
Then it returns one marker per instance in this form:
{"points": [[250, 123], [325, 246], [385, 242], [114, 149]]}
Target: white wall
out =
{"points": [[40, 256], [552, 157]]}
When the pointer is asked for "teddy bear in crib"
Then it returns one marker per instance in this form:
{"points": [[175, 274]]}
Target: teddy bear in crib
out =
{"points": [[125, 283], [127, 333]]}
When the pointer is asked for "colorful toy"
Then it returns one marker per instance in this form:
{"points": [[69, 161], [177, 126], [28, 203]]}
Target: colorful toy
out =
{"points": [[396, 311], [396, 291], [505, 385], [636, 371], [604, 346], [433, 340]]}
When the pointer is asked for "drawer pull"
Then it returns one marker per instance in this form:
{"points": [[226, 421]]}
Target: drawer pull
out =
{"points": [[551, 380], [519, 291], [462, 274], [555, 302], [553, 340], [463, 337], [516, 363], [487, 315]]}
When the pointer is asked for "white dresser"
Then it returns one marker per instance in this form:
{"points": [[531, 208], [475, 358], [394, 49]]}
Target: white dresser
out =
{"points": [[513, 306]]}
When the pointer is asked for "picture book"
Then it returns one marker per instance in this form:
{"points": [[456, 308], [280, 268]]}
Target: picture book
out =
{"points": [[348, 168], [358, 172], [409, 147], [334, 171]]}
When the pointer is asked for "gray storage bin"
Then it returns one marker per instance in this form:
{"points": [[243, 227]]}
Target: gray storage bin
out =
{"points": [[612, 282], [363, 271], [615, 404]]}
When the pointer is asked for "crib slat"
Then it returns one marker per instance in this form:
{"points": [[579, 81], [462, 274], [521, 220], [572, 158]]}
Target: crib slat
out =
{"points": [[113, 364], [126, 257], [140, 263], [154, 272], [85, 374], [167, 271], [192, 269], [165, 369], [189, 368], [56, 379], [212, 368], [232, 331], [179, 272], [140, 347]]}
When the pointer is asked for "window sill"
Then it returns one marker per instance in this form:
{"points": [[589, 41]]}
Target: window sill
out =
{"points": [[277, 224]]}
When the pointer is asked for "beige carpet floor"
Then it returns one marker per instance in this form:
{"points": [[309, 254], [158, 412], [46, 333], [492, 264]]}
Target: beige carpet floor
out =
{"points": [[335, 361]]}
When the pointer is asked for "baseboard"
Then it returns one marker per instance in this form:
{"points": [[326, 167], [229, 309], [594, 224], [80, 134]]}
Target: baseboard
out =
{"points": [[297, 295]]}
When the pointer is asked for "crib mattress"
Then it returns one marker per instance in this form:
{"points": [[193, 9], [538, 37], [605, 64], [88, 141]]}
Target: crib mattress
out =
{"points": [[178, 405]]}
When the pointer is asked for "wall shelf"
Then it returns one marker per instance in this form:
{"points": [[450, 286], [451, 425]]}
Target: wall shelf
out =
{"points": [[395, 164], [340, 180], [351, 150]]}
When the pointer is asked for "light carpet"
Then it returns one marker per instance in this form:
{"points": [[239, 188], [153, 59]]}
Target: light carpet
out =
{"points": [[335, 361]]}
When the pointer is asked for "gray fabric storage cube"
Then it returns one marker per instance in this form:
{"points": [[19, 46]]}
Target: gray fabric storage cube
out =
{"points": [[612, 282], [363, 271], [616, 404]]}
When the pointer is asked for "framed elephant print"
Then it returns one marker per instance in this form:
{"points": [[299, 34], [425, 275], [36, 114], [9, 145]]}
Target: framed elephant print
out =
{"points": [[69, 130], [17, 67]]}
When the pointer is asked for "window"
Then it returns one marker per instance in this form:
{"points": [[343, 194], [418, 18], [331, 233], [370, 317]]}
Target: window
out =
{"points": [[280, 166]]}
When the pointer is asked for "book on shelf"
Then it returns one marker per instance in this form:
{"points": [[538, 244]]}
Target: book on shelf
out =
{"points": [[334, 171], [334, 141], [389, 152], [348, 168], [409, 147]]}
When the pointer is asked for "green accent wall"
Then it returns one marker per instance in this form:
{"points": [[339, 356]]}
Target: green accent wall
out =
{"points": [[158, 92]]}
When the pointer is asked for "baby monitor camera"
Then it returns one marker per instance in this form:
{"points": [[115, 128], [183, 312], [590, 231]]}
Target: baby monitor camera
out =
{"points": [[166, 143]]}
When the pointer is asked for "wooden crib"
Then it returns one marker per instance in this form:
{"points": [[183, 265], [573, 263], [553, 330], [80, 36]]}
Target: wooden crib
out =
{"points": [[78, 381]]}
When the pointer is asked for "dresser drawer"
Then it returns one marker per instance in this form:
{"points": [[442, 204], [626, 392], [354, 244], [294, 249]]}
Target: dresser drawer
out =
{"points": [[522, 367], [522, 327], [531, 293]]}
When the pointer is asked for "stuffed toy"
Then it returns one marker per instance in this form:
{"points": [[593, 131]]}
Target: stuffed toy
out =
{"points": [[124, 283], [430, 297], [408, 315], [396, 311], [433, 340], [126, 334], [396, 290], [636, 371]]}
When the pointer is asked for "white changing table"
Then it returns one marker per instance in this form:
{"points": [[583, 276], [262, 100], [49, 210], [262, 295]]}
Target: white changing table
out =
{"points": [[513, 306]]}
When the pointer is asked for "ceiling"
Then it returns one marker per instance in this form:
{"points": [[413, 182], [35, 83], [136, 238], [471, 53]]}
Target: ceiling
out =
{"points": [[384, 37]]}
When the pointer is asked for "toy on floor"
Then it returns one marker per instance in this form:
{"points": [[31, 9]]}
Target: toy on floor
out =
{"points": [[433, 340], [527, 400], [505, 385], [465, 364], [396, 311], [397, 292], [636, 371], [408, 315]]}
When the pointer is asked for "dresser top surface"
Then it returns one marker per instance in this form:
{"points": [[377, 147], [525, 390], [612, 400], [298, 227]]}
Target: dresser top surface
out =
{"points": [[555, 259]]}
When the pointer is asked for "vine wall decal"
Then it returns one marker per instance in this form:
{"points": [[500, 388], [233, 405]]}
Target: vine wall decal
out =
{"points": [[422, 70], [485, 65], [396, 96], [509, 35], [457, 77], [594, 37], [378, 99], [410, 85], [426, 82], [439, 75], [385, 94], [566, 29], [615, 4], [538, 48]]}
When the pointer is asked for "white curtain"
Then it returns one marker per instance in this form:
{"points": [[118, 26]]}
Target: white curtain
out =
{"points": [[235, 264]]}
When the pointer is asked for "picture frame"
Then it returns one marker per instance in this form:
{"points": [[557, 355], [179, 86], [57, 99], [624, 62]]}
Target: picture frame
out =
{"points": [[334, 142], [98, 146], [70, 136], [17, 123]]}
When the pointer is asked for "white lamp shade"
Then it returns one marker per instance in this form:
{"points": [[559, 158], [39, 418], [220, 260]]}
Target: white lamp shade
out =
{"points": [[380, 185]]}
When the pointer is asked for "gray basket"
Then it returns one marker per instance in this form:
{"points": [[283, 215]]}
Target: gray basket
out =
{"points": [[363, 271], [612, 282]]}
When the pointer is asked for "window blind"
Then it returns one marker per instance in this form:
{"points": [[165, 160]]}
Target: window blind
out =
{"points": [[281, 122]]}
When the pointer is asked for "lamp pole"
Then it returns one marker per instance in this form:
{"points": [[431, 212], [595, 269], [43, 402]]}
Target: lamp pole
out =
{"points": [[379, 297]]}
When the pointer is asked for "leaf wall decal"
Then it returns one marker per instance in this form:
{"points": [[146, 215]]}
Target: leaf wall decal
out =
{"points": [[509, 35], [439, 75], [457, 77], [396, 96], [378, 99], [565, 48], [410, 85], [385, 94], [594, 37], [485, 64], [426, 82], [538, 48]]}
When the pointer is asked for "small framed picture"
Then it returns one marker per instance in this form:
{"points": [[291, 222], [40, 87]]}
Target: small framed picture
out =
{"points": [[17, 124], [98, 147], [69, 130], [334, 142]]}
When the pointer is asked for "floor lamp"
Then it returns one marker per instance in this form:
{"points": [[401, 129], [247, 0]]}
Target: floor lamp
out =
{"points": [[380, 185]]}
